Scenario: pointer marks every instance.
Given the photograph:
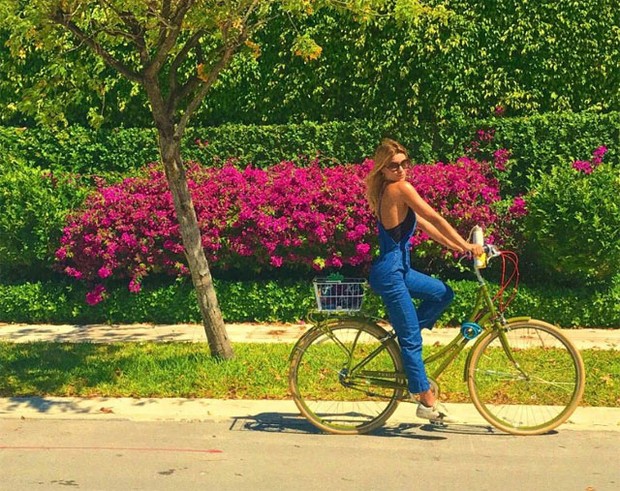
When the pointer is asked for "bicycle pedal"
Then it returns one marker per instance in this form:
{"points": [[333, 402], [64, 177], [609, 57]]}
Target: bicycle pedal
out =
{"points": [[439, 424]]}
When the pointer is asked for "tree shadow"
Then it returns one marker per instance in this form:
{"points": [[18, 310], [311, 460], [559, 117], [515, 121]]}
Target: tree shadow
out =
{"points": [[43, 405], [97, 333]]}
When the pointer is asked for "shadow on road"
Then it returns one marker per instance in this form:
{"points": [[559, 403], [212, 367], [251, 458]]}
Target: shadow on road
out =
{"points": [[294, 423], [273, 422]]}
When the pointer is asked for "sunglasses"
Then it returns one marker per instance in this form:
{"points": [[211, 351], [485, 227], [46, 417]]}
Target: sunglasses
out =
{"points": [[393, 166]]}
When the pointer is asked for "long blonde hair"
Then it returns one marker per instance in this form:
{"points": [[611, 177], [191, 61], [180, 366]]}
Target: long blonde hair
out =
{"points": [[375, 179]]}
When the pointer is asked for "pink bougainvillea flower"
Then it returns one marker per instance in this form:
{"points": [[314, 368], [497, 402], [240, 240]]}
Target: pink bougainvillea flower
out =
{"points": [[96, 295], [583, 166], [135, 286], [518, 207], [598, 154], [253, 219], [500, 158]]}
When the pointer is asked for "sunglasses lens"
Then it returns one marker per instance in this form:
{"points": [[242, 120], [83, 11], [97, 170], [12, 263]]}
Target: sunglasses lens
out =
{"points": [[395, 166]]}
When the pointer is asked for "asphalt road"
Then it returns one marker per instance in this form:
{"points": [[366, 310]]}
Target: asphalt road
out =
{"points": [[288, 454]]}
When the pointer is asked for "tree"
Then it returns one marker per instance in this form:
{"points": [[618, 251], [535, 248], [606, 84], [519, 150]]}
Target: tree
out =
{"points": [[173, 51]]}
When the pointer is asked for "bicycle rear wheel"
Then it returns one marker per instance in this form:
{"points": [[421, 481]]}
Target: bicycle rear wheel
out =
{"points": [[535, 394], [347, 378]]}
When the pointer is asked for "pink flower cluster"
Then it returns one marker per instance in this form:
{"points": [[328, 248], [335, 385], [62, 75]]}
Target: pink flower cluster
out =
{"points": [[501, 157], [499, 110], [252, 219], [518, 208], [588, 166], [463, 192]]}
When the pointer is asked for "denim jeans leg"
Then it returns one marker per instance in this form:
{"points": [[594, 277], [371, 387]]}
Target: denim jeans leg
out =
{"points": [[405, 322], [436, 296]]}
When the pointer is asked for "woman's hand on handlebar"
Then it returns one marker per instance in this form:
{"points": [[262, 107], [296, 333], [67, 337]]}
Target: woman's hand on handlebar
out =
{"points": [[476, 249]]}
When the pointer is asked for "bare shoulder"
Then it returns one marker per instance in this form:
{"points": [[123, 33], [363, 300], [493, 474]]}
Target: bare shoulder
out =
{"points": [[405, 192], [396, 186], [403, 188]]}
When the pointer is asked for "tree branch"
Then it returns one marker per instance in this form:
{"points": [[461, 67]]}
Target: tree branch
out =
{"points": [[191, 43], [202, 92], [228, 51], [64, 19], [135, 30], [168, 35], [165, 14]]}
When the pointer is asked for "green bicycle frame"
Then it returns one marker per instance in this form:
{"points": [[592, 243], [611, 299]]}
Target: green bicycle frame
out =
{"points": [[484, 314], [484, 311], [356, 375]]}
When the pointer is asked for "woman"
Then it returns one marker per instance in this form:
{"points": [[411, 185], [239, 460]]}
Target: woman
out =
{"points": [[399, 208]]}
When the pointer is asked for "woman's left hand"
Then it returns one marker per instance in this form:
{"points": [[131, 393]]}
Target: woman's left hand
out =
{"points": [[475, 249]]}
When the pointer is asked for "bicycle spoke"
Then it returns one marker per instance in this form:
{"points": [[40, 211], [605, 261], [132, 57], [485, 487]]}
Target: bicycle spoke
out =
{"points": [[336, 397], [528, 382]]}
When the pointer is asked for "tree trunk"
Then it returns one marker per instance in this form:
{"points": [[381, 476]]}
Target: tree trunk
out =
{"points": [[213, 322]]}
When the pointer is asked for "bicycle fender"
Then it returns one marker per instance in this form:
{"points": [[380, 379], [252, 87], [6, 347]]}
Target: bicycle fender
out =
{"points": [[524, 318]]}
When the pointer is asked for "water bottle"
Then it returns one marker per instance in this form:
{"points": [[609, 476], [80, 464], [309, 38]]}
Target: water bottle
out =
{"points": [[478, 238]]}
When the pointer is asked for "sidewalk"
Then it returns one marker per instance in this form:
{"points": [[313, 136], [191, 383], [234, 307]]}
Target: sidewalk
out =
{"points": [[238, 333], [272, 412]]}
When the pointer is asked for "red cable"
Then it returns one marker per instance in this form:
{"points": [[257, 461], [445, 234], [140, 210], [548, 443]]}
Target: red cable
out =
{"points": [[507, 256], [506, 281]]}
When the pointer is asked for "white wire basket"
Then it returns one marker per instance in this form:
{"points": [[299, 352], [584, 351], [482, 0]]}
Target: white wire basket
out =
{"points": [[343, 295]]}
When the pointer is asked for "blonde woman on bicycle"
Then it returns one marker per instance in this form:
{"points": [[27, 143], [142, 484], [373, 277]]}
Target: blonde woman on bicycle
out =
{"points": [[399, 210]]}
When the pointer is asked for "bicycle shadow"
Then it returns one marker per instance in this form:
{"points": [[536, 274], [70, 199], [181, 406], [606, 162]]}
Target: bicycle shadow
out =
{"points": [[271, 422], [471, 429]]}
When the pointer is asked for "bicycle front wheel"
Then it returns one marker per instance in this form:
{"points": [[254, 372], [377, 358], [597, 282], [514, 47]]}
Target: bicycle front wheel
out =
{"points": [[529, 384], [346, 377]]}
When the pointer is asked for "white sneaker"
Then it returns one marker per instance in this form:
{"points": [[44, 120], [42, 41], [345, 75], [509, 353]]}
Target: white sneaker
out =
{"points": [[437, 413]]}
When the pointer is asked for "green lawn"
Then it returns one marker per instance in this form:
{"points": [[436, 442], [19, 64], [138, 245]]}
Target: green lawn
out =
{"points": [[258, 371]]}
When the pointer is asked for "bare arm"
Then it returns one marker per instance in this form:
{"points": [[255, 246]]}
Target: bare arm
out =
{"points": [[436, 235], [436, 226]]}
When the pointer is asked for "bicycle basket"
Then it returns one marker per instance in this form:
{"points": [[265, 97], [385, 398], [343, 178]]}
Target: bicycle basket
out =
{"points": [[339, 295]]}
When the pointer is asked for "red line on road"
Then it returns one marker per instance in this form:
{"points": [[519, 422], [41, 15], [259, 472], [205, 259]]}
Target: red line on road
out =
{"points": [[127, 449]]}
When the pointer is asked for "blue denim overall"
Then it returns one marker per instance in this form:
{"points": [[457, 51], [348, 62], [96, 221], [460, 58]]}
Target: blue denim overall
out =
{"points": [[392, 277]]}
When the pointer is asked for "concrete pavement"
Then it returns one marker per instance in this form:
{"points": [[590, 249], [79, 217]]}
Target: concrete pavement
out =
{"points": [[176, 409], [244, 332]]}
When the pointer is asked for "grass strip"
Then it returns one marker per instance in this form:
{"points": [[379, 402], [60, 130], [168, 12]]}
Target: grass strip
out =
{"points": [[258, 371]]}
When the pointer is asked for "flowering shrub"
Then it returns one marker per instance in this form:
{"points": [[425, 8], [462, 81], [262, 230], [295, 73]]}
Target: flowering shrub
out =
{"points": [[573, 220], [463, 192], [254, 219], [588, 166]]}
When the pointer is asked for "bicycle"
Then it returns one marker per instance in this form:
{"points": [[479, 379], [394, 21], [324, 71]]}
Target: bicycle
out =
{"points": [[524, 376]]}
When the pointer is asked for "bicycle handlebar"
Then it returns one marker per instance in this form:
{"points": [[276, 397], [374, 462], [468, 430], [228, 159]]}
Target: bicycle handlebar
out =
{"points": [[491, 251]]}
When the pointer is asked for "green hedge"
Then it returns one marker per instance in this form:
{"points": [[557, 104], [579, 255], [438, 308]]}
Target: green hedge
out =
{"points": [[33, 207], [529, 57], [272, 301], [536, 142], [572, 228], [543, 141], [79, 149]]}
